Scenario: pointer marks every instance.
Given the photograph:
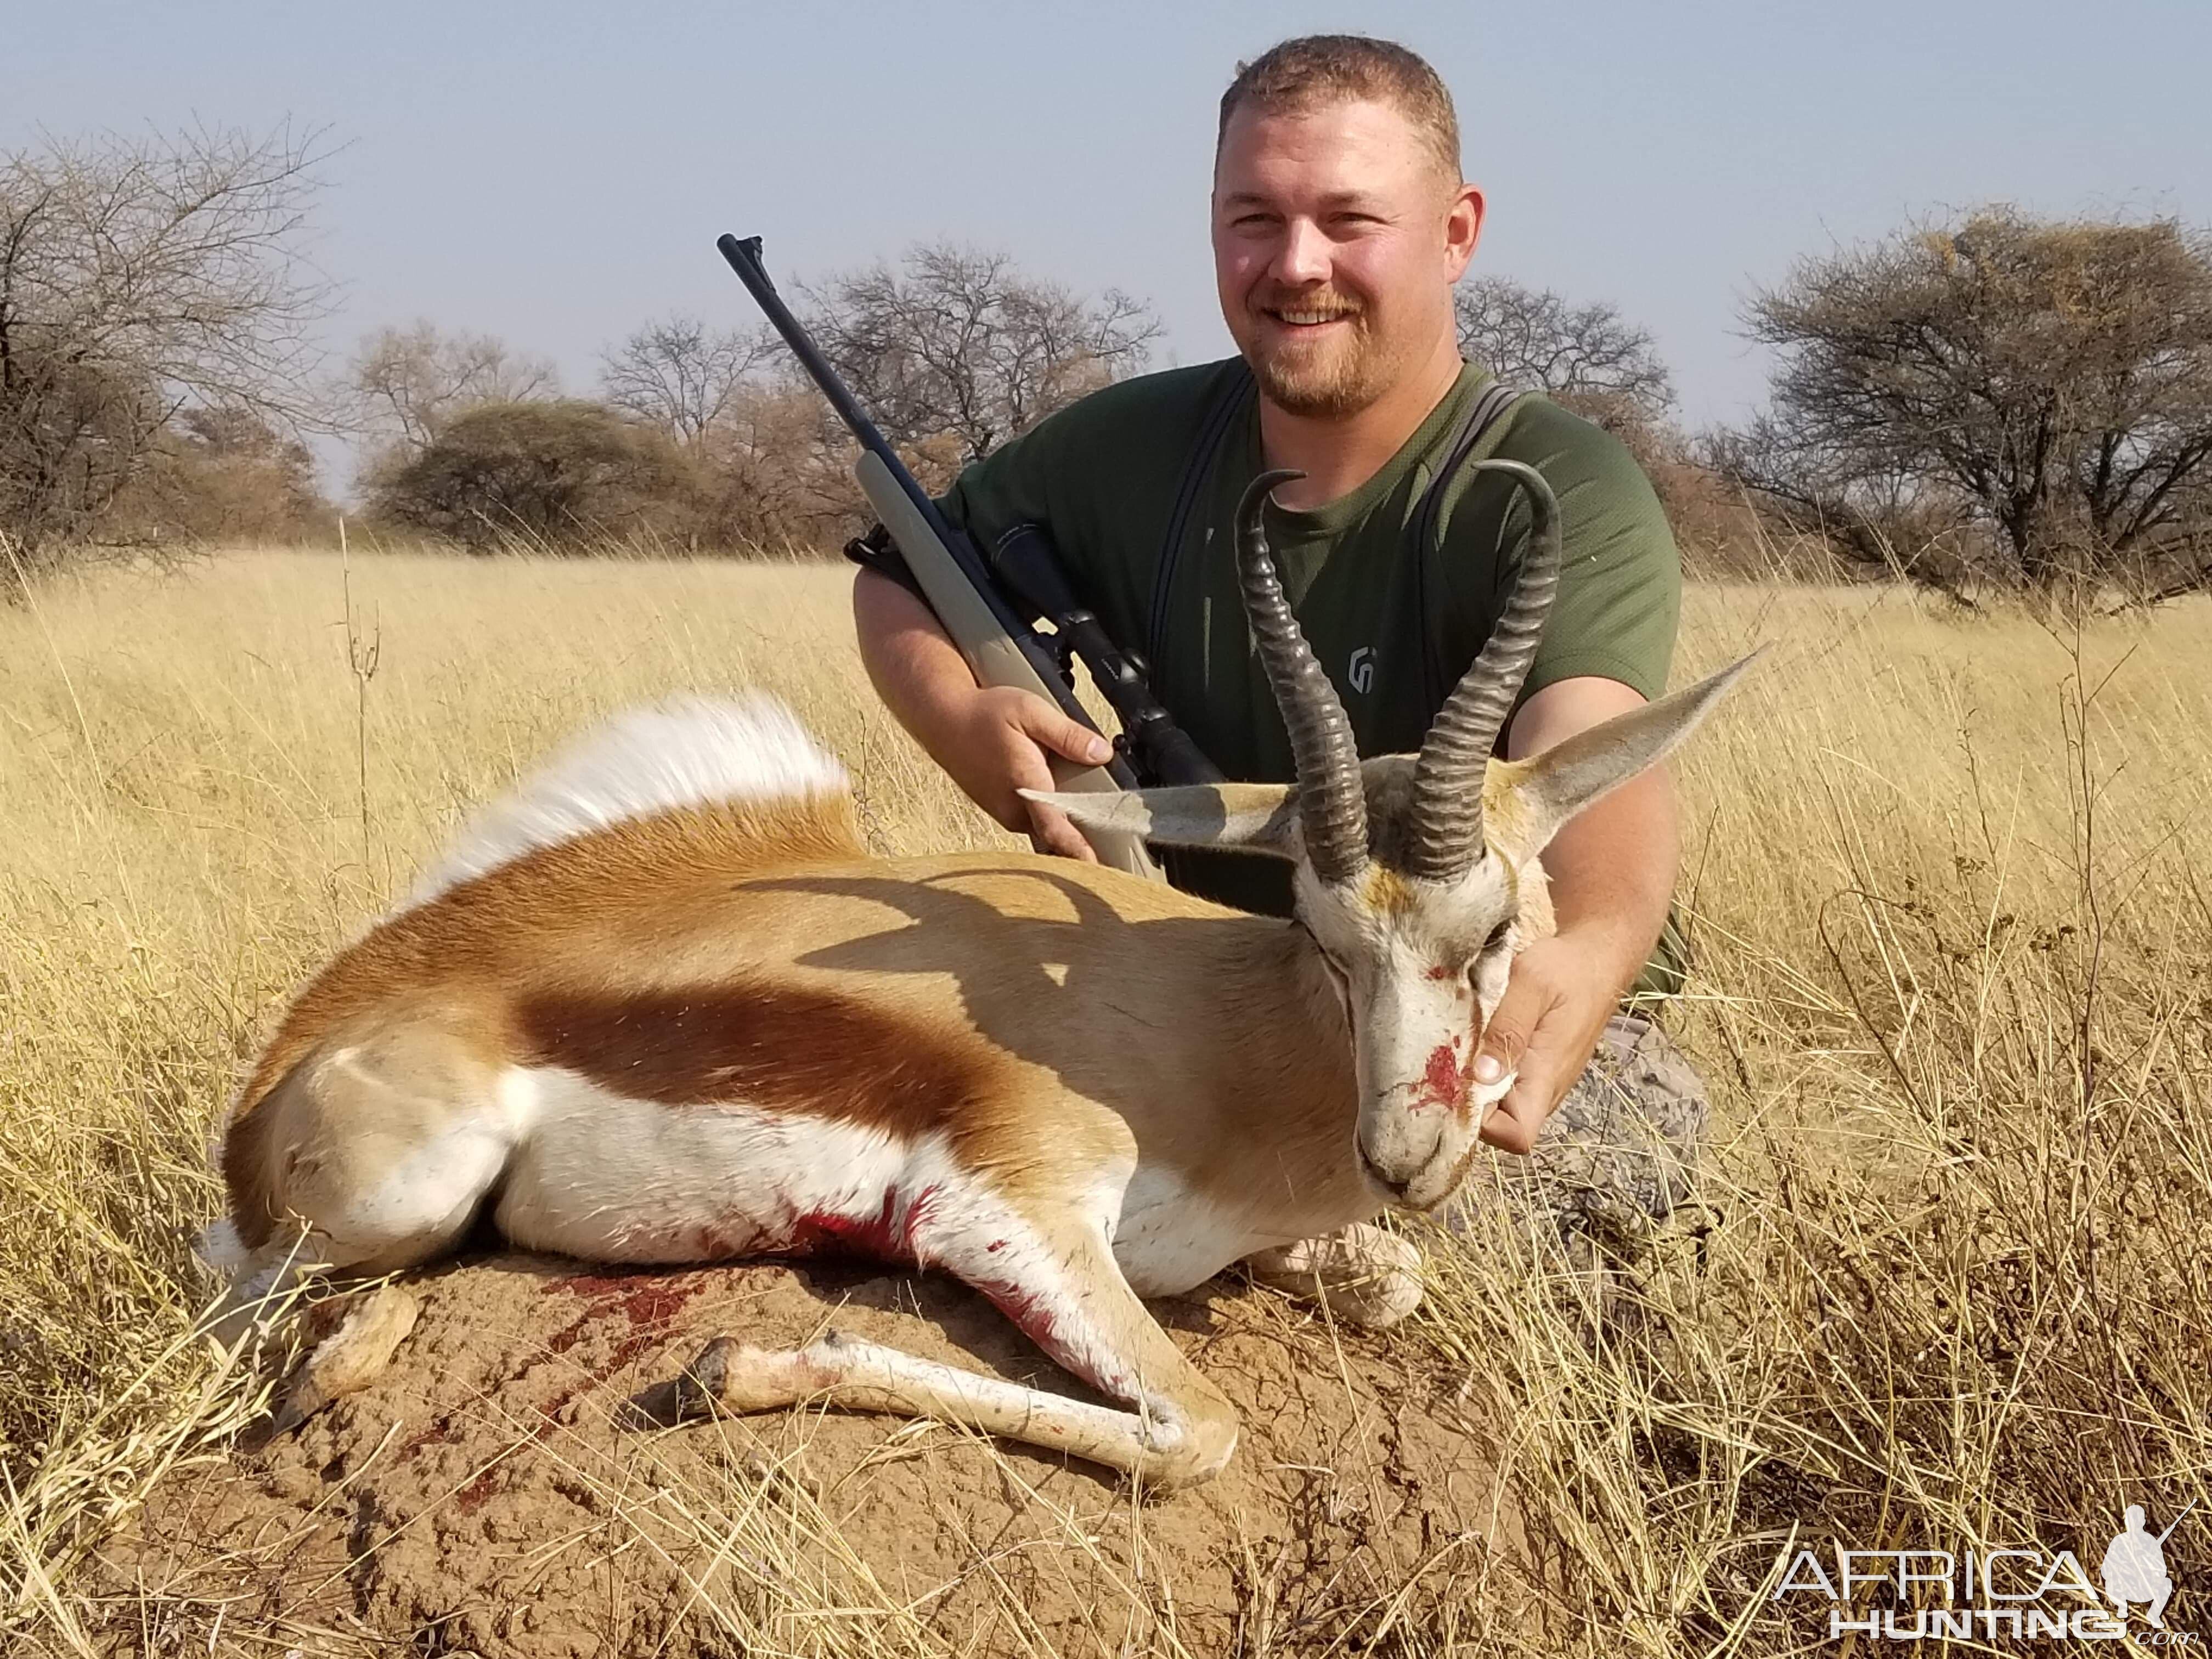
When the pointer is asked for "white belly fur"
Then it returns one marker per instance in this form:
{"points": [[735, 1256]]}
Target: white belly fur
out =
{"points": [[1171, 1239], [605, 1177], [609, 1178]]}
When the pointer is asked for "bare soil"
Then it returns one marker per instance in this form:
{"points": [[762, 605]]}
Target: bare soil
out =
{"points": [[487, 1495]]}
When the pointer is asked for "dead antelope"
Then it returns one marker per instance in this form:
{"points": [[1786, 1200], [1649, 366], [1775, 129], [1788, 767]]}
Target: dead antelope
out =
{"points": [[662, 1006]]}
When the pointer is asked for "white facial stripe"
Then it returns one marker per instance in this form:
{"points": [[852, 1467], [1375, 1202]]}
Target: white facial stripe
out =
{"points": [[1417, 1011]]}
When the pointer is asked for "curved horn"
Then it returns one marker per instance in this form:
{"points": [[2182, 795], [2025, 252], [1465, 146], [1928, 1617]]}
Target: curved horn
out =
{"points": [[1331, 801], [1448, 776]]}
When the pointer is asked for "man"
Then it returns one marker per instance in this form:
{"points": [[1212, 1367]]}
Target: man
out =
{"points": [[2134, 1569], [1340, 222]]}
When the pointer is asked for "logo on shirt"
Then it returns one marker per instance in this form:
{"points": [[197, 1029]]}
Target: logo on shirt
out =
{"points": [[1360, 672]]}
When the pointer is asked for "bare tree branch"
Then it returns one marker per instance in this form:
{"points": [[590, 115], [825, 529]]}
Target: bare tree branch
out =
{"points": [[1534, 337], [404, 384], [683, 376], [139, 277], [957, 341]]}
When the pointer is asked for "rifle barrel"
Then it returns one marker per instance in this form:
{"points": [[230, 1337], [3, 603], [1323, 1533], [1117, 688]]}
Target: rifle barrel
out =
{"points": [[2177, 1521], [744, 254], [1161, 748], [745, 258]]}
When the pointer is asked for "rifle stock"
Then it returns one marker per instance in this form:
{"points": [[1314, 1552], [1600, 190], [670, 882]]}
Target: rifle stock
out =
{"points": [[991, 651]]}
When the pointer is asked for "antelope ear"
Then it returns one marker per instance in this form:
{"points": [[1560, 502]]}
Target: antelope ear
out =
{"points": [[1548, 789], [1251, 817]]}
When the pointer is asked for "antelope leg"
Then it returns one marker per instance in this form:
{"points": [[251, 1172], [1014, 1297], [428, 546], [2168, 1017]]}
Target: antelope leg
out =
{"points": [[1074, 1304], [1364, 1275], [351, 1357]]}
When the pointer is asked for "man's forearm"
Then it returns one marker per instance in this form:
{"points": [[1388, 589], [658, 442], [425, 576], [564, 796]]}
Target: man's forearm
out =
{"points": [[1612, 871], [912, 662], [993, 741], [1613, 866]]}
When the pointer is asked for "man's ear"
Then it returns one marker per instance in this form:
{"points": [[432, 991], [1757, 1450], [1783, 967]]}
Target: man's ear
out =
{"points": [[1251, 817], [1548, 789]]}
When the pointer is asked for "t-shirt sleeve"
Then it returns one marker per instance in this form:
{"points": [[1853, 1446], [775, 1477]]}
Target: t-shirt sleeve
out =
{"points": [[1003, 489], [1621, 577], [1101, 476]]}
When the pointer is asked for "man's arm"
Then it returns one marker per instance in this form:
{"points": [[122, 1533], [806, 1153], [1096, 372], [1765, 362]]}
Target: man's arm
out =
{"points": [[991, 740], [1611, 869]]}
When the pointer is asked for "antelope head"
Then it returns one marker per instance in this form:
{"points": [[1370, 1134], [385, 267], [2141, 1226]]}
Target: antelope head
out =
{"points": [[1416, 875]]}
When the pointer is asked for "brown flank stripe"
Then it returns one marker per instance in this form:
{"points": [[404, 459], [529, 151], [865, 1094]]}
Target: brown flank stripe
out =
{"points": [[780, 1047]]}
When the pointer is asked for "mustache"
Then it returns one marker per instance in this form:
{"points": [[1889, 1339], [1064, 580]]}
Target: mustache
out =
{"points": [[1327, 301]]}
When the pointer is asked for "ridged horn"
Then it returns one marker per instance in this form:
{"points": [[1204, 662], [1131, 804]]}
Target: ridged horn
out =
{"points": [[1332, 802], [1448, 776]]}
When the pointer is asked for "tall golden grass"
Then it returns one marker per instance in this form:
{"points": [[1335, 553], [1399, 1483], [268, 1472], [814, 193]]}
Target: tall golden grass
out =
{"points": [[1954, 997]]}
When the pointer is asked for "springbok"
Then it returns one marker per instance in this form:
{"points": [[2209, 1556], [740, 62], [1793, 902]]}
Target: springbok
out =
{"points": [[661, 1006]]}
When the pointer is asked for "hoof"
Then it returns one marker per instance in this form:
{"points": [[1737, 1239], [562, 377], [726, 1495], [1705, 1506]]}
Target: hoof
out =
{"points": [[351, 1358], [728, 1375]]}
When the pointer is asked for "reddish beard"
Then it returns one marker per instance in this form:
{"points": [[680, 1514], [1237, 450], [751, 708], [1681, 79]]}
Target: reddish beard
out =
{"points": [[1328, 378]]}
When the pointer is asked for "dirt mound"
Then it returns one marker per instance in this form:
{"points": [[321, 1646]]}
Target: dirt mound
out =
{"points": [[484, 1496]]}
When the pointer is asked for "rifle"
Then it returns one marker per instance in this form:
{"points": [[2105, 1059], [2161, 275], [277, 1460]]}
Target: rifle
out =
{"points": [[2177, 1521], [993, 629]]}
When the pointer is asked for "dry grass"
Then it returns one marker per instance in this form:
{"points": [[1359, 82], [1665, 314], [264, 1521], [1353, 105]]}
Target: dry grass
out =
{"points": [[1956, 994]]}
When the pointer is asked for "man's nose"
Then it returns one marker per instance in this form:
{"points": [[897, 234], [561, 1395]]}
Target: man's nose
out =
{"points": [[1304, 256]]}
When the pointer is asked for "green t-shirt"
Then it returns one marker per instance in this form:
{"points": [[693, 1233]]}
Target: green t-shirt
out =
{"points": [[1395, 625]]}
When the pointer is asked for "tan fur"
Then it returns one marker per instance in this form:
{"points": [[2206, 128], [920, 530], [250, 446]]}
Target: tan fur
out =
{"points": [[401, 1063], [460, 951], [791, 1049], [1506, 833], [747, 953], [557, 894], [1385, 890]]}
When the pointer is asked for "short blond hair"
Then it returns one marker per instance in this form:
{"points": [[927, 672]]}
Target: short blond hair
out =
{"points": [[1316, 69]]}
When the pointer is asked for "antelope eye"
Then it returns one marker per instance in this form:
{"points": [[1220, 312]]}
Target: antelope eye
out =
{"points": [[1499, 937]]}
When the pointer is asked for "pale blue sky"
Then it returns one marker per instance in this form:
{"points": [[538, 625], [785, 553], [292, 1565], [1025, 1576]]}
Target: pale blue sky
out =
{"points": [[557, 172]]}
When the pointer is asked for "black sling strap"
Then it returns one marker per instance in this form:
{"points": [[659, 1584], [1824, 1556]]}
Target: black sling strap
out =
{"points": [[1212, 433]]}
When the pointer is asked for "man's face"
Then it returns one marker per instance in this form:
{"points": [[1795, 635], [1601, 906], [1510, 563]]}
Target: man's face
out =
{"points": [[1336, 241]]}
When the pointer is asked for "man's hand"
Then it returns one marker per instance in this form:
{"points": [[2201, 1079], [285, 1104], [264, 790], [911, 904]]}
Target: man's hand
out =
{"points": [[1612, 868], [993, 741], [1561, 992], [999, 744]]}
